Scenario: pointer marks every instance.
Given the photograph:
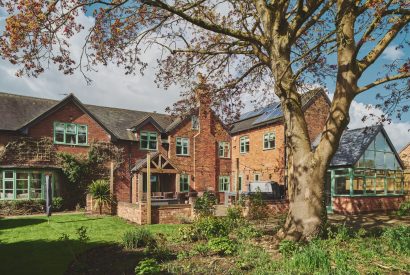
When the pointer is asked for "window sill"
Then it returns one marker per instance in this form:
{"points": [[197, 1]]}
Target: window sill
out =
{"points": [[144, 149], [182, 155], [244, 153], [268, 149], [72, 145], [225, 157]]}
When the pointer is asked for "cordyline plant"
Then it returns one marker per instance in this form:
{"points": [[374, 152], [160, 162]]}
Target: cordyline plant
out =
{"points": [[239, 46], [100, 192]]}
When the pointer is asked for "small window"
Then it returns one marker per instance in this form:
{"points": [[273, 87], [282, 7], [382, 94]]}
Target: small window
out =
{"points": [[195, 122], [257, 177], [223, 183], [244, 144], [70, 133], [224, 149], [148, 140], [182, 146], [269, 141], [184, 183]]}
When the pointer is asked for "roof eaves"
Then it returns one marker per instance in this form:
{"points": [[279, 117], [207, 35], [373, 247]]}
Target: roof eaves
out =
{"points": [[148, 119]]}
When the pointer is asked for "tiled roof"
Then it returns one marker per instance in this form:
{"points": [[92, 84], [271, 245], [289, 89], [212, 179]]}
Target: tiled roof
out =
{"points": [[270, 114], [17, 111]]}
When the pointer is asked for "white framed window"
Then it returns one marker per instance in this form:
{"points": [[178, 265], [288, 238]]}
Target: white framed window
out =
{"points": [[224, 150], [184, 183], [70, 133], [182, 146], [256, 177], [223, 183], [244, 144], [148, 140], [269, 141], [195, 122]]}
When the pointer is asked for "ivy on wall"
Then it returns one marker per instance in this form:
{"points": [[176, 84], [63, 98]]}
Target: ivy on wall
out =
{"points": [[78, 169]]}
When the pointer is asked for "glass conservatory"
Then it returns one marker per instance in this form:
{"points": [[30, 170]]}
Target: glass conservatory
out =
{"points": [[377, 173]]}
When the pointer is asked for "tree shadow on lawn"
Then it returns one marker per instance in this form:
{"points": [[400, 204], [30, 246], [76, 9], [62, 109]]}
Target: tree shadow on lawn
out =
{"points": [[14, 223]]}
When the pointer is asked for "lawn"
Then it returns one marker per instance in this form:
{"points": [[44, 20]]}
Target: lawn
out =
{"points": [[32, 245]]}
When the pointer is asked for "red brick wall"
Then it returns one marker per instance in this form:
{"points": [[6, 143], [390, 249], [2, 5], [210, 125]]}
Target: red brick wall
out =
{"points": [[269, 164], [171, 214], [203, 163], [316, 115], [69, 113], [355, 205], [131, 212]]}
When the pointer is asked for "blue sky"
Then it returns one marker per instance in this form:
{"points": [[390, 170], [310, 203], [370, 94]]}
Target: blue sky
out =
{"points": [[111, 87]]}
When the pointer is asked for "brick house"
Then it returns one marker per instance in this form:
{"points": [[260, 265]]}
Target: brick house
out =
{"points": [[258, 139], [178, 146]]}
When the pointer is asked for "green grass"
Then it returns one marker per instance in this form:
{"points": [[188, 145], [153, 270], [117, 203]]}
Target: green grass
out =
{"points": [[31, 245]]}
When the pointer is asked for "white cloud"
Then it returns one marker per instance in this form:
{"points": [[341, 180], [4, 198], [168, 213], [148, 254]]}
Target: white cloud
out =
{"points": [[397, 131], [392, 53], [110, 86]]}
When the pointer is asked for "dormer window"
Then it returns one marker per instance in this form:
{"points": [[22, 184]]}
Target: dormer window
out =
{"points": [[148, 140], [195, 122], [70, 133]]}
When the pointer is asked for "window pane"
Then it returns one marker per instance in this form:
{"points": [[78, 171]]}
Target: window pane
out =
{"points": [[70, 138], [82, 139], [380, 185], [8, 194], [59, 137], [8, 184], [369, 159], [399, 185], [390, 185], [82, 129], [59, 127], [342, 185], [358, 185], [71, 128], [379, 159], [379, 142], [370, 185], [35, 181], [153, 144], [8, 175]]}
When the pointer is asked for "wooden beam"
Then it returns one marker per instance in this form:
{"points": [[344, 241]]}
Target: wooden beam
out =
{"points": [[160, 171], [148, 189]]}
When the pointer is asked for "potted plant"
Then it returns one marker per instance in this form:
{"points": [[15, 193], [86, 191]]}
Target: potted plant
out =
{"points": [[100, 192]]}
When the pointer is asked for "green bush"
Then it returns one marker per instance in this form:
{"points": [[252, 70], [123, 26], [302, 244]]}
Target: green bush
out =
{"points": [[404, 209], [398, 238], [234, 213], [139, 237], [57, 203], [205, 205], [21, 207], [147, 266], [206, 228], [201, 248], [222, 246], [246, 232], [257, 207]]}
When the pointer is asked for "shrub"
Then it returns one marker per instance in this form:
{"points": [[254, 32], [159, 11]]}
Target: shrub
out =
{"points": [[206, 228], [100, 191], [257, 207], [21, 207], [57, 203], [398, 238], [205, 205], [404, 209], [82, 234], [147, 266], [246, 232], [222, 246], [234, 213], [139, 237], [202, 249]]}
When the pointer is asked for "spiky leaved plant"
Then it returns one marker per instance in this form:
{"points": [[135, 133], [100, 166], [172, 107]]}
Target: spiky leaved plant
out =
{"points": [[100, 191]]}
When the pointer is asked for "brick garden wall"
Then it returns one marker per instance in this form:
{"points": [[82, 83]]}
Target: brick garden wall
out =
{"points": [[130, 212], [171, 214], [356, 205]]}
